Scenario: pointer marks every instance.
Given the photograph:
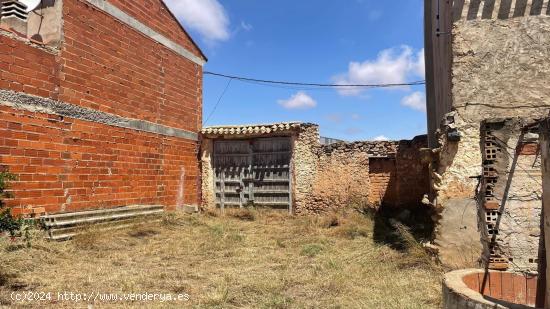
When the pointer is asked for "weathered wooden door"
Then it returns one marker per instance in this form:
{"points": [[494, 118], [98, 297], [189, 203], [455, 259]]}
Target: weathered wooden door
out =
{"points": [[253, 172]]}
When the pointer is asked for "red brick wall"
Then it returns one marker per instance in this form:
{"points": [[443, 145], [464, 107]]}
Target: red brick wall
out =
{"points": [[412, 175], [67, 164], [382, 172], [27, 69], [105, 65], [109, 66], [403, 180], [154, 14]]}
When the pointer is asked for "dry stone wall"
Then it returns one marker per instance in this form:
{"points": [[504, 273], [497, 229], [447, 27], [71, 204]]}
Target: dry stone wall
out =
{"points": [[304, 167], [207, 173], [330, 177], [390, 173], [341, 178]]}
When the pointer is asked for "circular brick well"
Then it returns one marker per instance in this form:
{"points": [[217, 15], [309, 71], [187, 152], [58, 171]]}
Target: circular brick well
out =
{"points": [[473, 288]]}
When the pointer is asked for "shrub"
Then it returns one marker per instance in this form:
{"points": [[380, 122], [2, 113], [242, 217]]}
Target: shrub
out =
{"points": [[8, 223], [416, 255]]}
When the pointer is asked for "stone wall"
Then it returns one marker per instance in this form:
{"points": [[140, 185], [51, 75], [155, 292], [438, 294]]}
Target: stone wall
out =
{"points": [[341, 178], [305, 162], [499, 63], [207, 173], [412, 171], [371, 174], [329, 177]]}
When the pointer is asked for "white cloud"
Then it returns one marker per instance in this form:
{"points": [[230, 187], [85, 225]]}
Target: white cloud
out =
{"points": [[392, 66], [416, 100], [208, 17], [355, 116], [298, 101], [381, 138], [246, 26], [420, 65]]}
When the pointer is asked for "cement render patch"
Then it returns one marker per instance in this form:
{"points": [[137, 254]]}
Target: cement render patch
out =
{"points": [[48, 106]]}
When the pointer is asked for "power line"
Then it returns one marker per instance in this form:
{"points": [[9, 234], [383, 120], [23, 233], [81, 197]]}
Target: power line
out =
{"points": [[287, 87], [219, 100], [264, 81]]}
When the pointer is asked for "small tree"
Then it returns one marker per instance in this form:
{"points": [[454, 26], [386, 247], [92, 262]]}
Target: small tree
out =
{"points": [[7, 222]]}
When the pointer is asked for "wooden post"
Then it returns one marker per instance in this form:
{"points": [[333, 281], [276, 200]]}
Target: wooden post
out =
{"points": [[541, 280], [544, 144], [222, 188]]}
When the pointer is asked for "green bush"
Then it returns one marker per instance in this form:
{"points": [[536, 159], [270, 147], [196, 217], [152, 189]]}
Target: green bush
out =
{"points": [[8, 223]]}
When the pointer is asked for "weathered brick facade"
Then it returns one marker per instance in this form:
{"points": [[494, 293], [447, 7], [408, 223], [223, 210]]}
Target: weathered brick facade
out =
{"points": [[402, 177], [108, 118]]}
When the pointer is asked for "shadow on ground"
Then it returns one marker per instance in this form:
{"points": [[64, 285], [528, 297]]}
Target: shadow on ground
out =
{"points": [[417, 220]]}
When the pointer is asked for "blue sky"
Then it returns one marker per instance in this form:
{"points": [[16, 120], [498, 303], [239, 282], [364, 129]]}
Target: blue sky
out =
{"points": [[320, 41]]}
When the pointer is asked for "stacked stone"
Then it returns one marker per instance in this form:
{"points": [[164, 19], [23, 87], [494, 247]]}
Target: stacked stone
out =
{"points": [[373, 149]]}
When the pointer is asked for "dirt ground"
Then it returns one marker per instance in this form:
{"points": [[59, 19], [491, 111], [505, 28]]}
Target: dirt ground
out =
{"points": [[244, 259]]}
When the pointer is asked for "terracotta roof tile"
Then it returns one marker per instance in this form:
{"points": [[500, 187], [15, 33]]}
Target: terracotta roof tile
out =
{"points": [[254, 129]]}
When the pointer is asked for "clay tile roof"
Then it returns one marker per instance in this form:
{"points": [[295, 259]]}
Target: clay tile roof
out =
{"points": [[256, 129]]}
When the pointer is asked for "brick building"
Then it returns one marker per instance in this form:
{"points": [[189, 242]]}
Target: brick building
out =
{"points": [[100, 105]]}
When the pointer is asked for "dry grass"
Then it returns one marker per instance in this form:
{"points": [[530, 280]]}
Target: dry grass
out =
{"points": [[253, 260]]}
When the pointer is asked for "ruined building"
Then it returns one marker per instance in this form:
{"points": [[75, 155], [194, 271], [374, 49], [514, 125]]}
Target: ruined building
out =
{"points": [[100, 105], [284, 165], [488, 66]]}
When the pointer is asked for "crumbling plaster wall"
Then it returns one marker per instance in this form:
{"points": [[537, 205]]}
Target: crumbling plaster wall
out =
{"points": [[329, 177], [305, 146], [341, 176], [500, 69], [342, 179], [510, 195], [520, 226], [457, 233], [207, 173]]}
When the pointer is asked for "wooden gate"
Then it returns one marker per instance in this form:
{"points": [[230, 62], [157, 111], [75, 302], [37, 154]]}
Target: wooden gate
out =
{"points": [[253, 172]]}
